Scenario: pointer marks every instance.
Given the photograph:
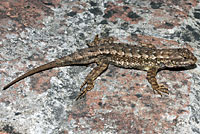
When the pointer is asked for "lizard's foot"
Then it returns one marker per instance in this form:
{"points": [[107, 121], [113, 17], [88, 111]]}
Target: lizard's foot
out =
{"points": [[90, 86], [95, 42], [98, 41], [161, 89], [108, 40]]}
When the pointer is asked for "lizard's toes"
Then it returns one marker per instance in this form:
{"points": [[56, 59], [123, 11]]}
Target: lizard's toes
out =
{"points": [[89, 87], [161, 89], [84, 83]]}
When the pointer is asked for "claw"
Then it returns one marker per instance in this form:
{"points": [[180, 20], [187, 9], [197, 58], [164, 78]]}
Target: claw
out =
{"points": [[81, 95]]}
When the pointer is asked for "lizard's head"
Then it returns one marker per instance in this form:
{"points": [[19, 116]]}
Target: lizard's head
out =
{"points": [[180, 57]]}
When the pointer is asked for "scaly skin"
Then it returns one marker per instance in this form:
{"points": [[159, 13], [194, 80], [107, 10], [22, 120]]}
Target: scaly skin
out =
{"points": [[104, 52]]}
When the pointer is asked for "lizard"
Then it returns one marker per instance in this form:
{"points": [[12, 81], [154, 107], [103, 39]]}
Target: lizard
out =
{"points": [[103, 51]]}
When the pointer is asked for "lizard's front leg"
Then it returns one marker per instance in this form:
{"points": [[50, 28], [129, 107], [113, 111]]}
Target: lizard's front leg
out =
{"points": [[151, 77], [91, 77]]}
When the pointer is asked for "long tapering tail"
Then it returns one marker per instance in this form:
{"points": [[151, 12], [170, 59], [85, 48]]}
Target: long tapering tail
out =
{"points": [[44, 67], [83, 56]]}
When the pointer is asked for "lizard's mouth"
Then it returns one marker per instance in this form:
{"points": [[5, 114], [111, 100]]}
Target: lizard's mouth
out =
{"points": [[191, 61], [188, 62]]}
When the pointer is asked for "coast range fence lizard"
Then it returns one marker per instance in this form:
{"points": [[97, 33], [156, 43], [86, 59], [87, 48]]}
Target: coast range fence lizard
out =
{"points": [[103, 51]]}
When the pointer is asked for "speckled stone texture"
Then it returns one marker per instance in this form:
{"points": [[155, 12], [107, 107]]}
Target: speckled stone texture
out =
{"points": [[35, 32]]}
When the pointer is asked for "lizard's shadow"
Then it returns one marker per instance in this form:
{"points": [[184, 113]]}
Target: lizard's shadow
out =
{"points": [[181, 68]]}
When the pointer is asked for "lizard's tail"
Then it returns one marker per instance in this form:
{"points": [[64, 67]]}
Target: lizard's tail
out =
{"points": [[44, 67]]}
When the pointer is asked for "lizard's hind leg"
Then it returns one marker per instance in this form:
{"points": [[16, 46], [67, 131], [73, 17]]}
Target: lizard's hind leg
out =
{"points": [[97, 41], [91, 77]]}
